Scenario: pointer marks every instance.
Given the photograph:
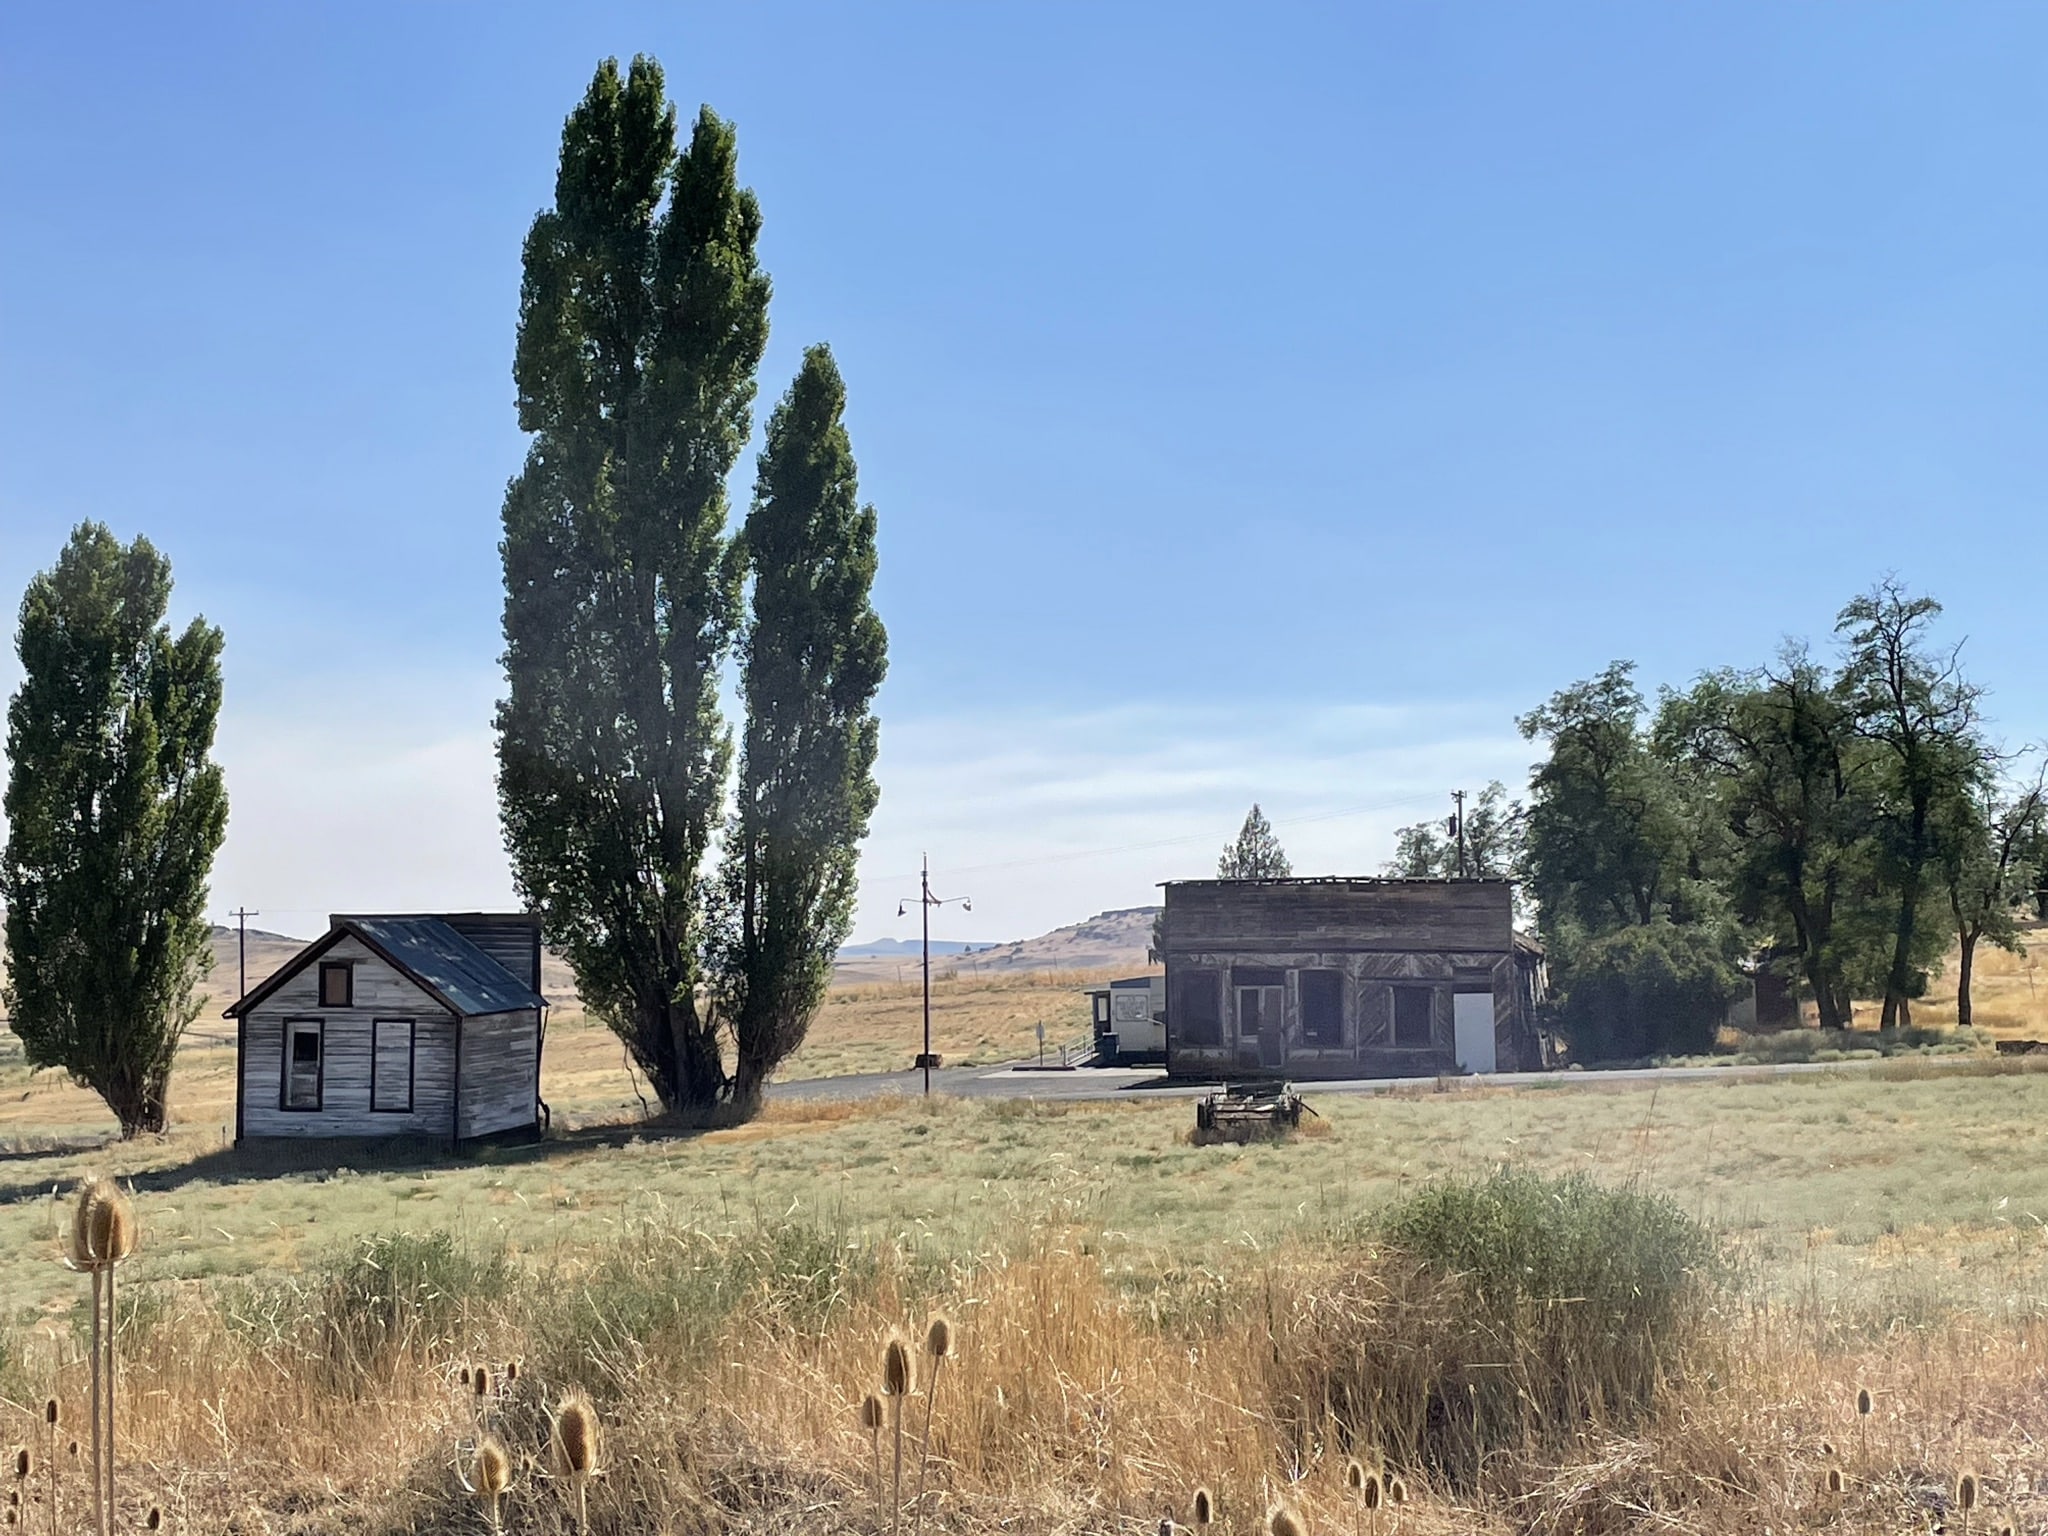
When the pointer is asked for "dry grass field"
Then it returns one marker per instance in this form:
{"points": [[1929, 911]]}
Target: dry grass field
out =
{"points": [[1136, 1314]]}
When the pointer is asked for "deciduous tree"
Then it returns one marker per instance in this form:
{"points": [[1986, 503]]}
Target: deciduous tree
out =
{"points": [[1917, 706], [643, 314], [1986, 850], [813, 654], [114, 812], [1428, 850]]}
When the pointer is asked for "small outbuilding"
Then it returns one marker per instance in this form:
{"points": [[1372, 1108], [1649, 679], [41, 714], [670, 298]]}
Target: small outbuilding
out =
{"points": [[1348, 978], [1130, 1020], [424, 1025]]}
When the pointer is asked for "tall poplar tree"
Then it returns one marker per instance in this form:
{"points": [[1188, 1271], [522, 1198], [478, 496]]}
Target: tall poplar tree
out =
{"points": [[813, 655], [642, 318], [114, 812]]}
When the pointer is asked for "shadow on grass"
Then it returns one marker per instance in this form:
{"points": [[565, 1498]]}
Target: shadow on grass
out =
{"points": [[326, 1157]]}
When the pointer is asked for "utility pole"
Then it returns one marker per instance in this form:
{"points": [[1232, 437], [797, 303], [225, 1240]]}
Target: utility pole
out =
{"points": [[241, 915], [1458, 821], [926, 901]]}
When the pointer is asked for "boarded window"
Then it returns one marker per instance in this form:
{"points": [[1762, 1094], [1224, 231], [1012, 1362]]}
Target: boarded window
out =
{"points": [[1256, 976], [391, 1066], [337, 984], [1194, 1006], [1322, 1007], [302, 1064], [1412, 1009]]}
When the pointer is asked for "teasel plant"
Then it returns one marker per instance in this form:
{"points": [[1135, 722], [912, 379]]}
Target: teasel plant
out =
{"points": [[1202, 1509], [899, 1380], [1366, 1488], [1284, 1520], [871, 1417], [1864, 1406], [1966, 1497], [53, 1421], [573, 1444], [938, 1348], [102, 1235], [490, 1475]]}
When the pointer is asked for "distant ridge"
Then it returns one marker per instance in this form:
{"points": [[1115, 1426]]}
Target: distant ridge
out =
{"points": [[897, 948], [1114, 940]]}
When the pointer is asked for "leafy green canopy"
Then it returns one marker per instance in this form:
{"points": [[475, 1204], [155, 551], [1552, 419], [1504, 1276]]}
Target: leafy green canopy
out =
{"points": [[813, 657], [114, 813], [1428, 850], [643, 315]]}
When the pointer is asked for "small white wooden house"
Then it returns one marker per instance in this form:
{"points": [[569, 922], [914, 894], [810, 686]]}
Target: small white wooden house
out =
{"points": [[425, 1025]]}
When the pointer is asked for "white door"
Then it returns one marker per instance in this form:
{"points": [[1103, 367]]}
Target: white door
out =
{"points": [[1472, 1030]]}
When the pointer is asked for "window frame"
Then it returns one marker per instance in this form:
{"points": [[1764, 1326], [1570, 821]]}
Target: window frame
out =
{"points": [[412, 1046], [1394, 1040], [1319, 1036], [1210, 979], [347, 971], [293, 1028]]}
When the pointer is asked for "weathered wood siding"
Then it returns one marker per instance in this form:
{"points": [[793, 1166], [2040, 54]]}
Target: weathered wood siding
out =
{"points": [[500, 1054], [381, 992], [1379, 936], [1386, 915]]}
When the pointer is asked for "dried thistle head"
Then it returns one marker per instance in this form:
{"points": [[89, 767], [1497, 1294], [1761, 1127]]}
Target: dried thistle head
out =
{"points": [[1834, 1479], [24, 1462], [576, 1436], [871, 1413], [482, 1381], [511, 1372], [1374, 1493], [1966, 1491], [53, 1413], [109, 1220], [1354, 1475], [154, 1520], [1827, 1447], [1283, 1521], [1397, 1490], [78, 1236], [1205, 1506], [938, 1336], [899, 1373], [71, 1450], [493, 1468], [1863, 1403]]}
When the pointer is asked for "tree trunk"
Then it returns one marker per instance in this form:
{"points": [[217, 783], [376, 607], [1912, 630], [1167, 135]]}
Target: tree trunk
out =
{"points": [[1898, 981], [1964, 1013]]}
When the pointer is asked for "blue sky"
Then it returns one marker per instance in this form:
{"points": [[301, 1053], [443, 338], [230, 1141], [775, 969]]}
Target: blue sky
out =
{"points": [[1260, 402]]}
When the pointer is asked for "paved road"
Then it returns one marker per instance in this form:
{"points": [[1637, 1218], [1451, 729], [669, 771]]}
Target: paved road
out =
{"points": [[1025, 1080]]}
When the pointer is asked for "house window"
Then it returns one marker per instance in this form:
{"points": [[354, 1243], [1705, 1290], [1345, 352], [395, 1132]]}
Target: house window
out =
{"points": [[1413, 1007], [391, 1066], [337, 984], [1194, 1006], [303, 1063], [1322, 1007]]}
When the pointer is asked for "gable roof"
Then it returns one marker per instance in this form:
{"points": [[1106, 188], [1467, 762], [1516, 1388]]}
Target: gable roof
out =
{"points": [[457, 974]]}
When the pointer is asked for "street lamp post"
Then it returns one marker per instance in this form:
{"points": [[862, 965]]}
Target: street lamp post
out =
{"points": [[926, 901]]}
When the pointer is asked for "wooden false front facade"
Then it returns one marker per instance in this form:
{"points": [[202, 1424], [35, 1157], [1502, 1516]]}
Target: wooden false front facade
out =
{"points": [[1348, 978], [417, 1026]]}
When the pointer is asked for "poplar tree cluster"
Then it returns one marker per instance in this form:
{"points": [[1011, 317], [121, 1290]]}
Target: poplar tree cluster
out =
{"points": [[700, 910]]}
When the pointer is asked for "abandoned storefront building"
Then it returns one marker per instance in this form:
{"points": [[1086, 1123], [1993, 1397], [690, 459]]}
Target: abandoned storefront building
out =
{"points": [[1345, 978]]}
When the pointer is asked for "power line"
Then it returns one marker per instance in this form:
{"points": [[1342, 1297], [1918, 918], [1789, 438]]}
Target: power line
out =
{"points": [[1164, 842]]}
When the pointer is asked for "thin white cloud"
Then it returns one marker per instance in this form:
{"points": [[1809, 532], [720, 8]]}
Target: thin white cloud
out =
{"points": [[377, 793]]}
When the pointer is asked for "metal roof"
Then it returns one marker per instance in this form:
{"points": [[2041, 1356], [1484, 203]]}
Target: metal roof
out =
{"points": [[460, 975], [446, 963]]}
